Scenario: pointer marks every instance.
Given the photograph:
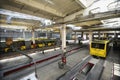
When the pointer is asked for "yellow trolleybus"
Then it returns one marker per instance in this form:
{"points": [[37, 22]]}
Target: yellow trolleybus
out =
{"points": [[99, 48]]}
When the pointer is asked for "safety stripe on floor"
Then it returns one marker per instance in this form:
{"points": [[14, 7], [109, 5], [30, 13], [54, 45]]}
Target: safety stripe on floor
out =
{"points": [[117, 69], [22, 56]]}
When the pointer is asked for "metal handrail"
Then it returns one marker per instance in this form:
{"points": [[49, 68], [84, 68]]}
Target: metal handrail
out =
{"points": [[30, 59]]}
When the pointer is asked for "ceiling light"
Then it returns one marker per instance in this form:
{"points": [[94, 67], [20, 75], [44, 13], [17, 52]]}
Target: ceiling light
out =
{"points": [[101, 6], [76, 28], [110, 20], [70, 25], [115, 22]]}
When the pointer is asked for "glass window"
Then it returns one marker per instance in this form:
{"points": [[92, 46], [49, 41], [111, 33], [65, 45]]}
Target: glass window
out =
{"points": [[98, 45]]}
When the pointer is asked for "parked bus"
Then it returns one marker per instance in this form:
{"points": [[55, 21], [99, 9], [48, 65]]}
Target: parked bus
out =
{"points": [[99, 48]]}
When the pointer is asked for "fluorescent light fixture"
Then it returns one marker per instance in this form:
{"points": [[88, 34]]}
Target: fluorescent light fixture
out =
{"points": [[114, 5], [102, 6], [115, 22], [76, 28], [70, 25], [110, 20]]}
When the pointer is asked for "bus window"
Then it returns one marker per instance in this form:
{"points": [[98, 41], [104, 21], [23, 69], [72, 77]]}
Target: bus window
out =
{"points": [[98, 45]]}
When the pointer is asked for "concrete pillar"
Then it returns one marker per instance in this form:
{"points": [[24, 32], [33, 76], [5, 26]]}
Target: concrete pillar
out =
{"points": [[24, 35], [115, 35], [98, 34], [105, 35], [33, 36], [63, 37], [45, 34], [90, 36], [75, 37], [81, 34], [87, 36]]}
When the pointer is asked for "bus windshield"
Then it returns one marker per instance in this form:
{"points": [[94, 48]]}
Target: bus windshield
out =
{"points": [[98, 45]]}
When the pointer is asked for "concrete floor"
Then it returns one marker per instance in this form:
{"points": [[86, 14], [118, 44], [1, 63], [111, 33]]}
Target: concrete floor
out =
{"points": [[38, 55], [6, 63], [11, 63], [50, 71], [113, 57]]}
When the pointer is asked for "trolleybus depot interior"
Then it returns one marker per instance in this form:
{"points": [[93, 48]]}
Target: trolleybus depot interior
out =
{"points": [[59, 39]]}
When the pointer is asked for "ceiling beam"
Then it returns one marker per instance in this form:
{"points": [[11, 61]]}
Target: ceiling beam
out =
{"points": [[73, 16], [92, 17], [96, 16], [40, 6], [99, 28], [3, 21]]}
